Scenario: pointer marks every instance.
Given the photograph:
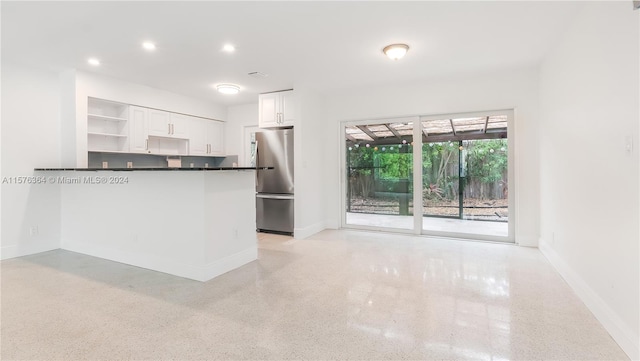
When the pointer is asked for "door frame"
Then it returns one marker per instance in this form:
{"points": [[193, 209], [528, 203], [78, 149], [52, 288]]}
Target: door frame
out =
{"points": [[417, 175]]}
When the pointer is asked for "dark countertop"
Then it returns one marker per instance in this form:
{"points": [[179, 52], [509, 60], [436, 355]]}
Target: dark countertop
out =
{"points": [[149, 169]]}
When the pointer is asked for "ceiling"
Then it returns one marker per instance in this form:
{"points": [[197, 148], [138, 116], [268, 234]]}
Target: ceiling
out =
{"points": [[319, 45]]}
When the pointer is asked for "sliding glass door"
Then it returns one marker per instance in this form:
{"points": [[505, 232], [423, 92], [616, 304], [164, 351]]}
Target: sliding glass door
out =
{"points": [[379, 168], [462, 166]]}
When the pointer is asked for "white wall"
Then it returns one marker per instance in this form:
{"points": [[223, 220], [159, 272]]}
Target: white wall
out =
{"points": [[91, 85], [589, 92], [30, 139], [238, 118], [310, 148], [505, 90]]}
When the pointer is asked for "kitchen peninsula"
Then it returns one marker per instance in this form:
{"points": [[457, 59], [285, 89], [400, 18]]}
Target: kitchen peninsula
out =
{"points": [[196, 223]]}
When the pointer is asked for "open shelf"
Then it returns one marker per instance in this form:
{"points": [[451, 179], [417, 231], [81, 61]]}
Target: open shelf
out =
{"points": [[107, 126], [107, 151], [108, 134], [106, 117]]}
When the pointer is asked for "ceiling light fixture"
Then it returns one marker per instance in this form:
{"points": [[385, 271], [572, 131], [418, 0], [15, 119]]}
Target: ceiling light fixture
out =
{"points": [[396, 51], [229, 48], [147, 45], [228, 88], [93, 61]]}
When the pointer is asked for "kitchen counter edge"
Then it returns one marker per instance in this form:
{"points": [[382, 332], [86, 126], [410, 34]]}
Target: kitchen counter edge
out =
{"points": [[149, 169]]}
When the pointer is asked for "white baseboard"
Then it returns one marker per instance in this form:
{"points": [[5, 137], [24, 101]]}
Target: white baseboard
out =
{"points": [[14, 251], [527, 241], [304, 232], [229, 263], [332, 224], [165, 265], [616, 327]]}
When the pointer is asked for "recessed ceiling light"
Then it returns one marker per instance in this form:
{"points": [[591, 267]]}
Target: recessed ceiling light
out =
{"points": [[93, 61], [229, 48], [228, 88], [149, 45], [396, 51]]}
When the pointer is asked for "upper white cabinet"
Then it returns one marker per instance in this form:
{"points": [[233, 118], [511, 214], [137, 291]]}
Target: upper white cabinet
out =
{"points": [[276, 109], [206, 137], [122, 128], [198, 144], [179, 125], [138, 130], [167, 124], [107, 126], [215, 137], [159, 125]]}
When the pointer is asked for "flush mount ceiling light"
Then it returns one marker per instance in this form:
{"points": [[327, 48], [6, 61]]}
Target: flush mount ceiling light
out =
{"points": [[229, 48], [147, 45], [228, 88], [396, 51], [93, 61]]}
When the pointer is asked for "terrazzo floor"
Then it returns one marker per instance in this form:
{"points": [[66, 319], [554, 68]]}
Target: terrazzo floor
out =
{"points": [[337, 295]]}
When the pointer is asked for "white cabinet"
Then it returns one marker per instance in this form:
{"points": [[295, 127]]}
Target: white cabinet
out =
{"points": [[287, 108], [276, 109], [107, 127], [179, 124], [215, 137], [138, 130], [159, 125], [206, 137], [167, 124], [121, 128]]}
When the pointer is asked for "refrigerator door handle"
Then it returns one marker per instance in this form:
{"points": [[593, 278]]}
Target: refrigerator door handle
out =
{"points": [[257, 165], [274, 196]]}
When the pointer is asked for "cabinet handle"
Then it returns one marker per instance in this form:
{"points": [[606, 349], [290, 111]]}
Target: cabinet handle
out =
{"points": [[146, 144], [168, 128], [172, 129]]}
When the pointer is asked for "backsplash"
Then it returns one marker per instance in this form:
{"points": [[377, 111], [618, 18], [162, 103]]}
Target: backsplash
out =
{"points": [[115, 160]]}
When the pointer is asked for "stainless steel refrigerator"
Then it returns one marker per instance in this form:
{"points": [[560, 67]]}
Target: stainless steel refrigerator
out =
{"points": [[274, 187]]}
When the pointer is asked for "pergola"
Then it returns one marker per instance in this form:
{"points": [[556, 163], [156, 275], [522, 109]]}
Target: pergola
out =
{"points": [[438, 130]]}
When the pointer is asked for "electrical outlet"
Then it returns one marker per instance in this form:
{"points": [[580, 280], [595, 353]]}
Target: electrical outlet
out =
{"points": [[33, 231]]}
